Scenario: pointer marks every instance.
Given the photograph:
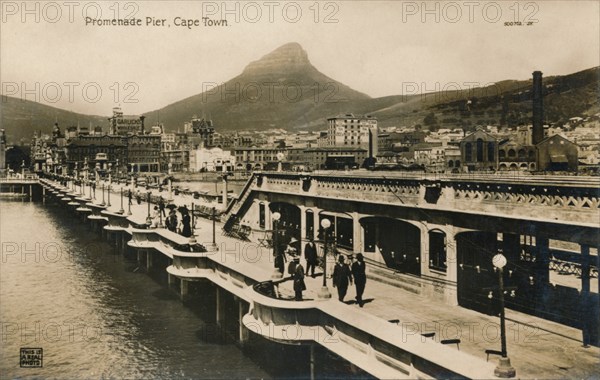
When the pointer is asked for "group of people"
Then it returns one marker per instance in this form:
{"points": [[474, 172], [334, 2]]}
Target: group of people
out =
{"points": [[343, 276], [172, 222]]}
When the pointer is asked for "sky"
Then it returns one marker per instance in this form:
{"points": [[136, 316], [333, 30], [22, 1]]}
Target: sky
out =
{"points": [[49, 54]]}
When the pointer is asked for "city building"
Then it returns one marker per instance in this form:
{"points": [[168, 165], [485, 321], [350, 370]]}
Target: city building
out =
{"points": [[174, 160], [513, 155], [556, 153], [98, 152], [200, 131], [258, 157], [479, 151], [211, 159], [328, 157], [432, 156], [123, 125], [143, 153], [353, 130]]}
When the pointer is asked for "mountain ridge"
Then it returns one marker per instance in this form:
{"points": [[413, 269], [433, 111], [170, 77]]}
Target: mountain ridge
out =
{"points": [[282, 89]]}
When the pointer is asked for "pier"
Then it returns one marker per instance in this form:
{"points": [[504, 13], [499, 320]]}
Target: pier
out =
{"points": [[410, 327]]}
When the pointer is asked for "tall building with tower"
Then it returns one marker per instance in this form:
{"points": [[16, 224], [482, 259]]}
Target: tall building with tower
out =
{"points": [[123, 125]]}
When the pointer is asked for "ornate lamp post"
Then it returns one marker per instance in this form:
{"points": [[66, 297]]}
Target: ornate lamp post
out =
{"points": [[276, 253], [213, 223], [504, 369], [129, 203], [148, 218], [193, 237], [108, 191], [324, 291], [121, 211], [102, 204]]}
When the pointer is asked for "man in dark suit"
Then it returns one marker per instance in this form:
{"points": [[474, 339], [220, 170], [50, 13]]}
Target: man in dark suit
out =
{"points": [[360, 277], [310, 254], [341, 277], [298, 277]]}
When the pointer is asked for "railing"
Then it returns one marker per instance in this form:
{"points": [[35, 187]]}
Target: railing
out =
{"points": [[271, 289]]}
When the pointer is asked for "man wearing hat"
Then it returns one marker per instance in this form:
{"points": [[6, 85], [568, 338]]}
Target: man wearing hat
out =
{"points": [[290, 250], [310, 254], [341, 277], [299, 285], [360, 277]]}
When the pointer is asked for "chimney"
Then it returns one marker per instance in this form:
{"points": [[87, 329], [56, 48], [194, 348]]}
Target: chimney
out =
{"points": [[142, 120], [538, 108]]}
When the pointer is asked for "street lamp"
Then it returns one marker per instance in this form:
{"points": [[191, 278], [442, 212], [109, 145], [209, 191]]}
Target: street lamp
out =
{"points": [[102, 204], [276, 274], [121, 211], [504, 369], [149, 218], [192, 237], [108, 192], [324, 291], [129, 202], [214, 243]]}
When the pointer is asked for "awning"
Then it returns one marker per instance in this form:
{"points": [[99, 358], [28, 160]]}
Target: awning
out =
{"points": [[558, 158]]}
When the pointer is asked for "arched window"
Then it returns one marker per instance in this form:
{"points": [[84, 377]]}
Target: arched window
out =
{"points": [[310, 224], [521, 153], [501, 153], [479, 150], [491, 151], [531, 154], [450, 163], [457, 163], [511, 153], [437, 250], [468, 152]]}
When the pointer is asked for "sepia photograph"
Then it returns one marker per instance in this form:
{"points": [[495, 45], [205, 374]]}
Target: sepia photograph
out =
{"points": [[305, 189]]}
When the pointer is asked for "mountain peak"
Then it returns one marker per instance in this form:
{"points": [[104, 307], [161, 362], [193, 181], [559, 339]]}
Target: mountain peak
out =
{"points": [[288, 57]]}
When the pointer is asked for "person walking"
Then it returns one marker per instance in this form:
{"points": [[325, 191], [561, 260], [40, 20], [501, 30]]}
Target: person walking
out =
{"points": [[341, 277], [360, 277], [280, 259], [299, 285], [129, 196], [310, 255], [186, 226], [161, 206], [172, 221]]}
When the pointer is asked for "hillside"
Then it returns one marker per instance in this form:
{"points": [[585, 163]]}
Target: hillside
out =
{"points": [[506, 103], [21, 118]]}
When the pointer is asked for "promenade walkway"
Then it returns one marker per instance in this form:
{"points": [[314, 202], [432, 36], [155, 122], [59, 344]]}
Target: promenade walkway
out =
{"points": [[537, 348]]}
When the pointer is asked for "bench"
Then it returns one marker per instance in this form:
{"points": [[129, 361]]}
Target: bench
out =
{"points": [[451, 341], [492, 352]]}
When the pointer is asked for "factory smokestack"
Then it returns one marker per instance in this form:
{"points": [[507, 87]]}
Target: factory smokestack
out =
{"points": [[538, 108]]}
